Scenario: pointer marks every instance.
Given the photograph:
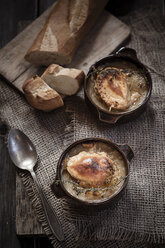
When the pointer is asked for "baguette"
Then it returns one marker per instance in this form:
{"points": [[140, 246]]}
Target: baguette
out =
{"points": [[66, 81], [40, 95], [67, 25]]}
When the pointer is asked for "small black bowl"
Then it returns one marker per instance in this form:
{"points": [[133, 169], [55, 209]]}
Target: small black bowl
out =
{"points": [[128, 55], [60, 191]]}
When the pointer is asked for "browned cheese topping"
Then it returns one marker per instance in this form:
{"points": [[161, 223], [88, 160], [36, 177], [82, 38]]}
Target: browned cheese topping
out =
{"points": [[91, 169], [111, 86]]}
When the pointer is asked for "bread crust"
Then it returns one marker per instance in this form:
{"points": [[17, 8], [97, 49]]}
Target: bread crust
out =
{"points": [[80, 78], [40, 95], [51, 70], [66, 26]]}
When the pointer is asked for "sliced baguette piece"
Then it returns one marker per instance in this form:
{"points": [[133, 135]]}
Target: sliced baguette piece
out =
{"points": [[67, 25], [66, 81], [40, 95]]}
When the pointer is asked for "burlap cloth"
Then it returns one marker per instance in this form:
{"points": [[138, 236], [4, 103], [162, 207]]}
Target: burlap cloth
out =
{"points": [[140, 214]]}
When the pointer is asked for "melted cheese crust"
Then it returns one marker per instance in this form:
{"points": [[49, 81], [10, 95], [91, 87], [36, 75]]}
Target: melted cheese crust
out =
{"points": [[90, 168], [111, 86]]}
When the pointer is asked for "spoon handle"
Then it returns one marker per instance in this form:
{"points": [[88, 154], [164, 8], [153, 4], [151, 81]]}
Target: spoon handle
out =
{"points": [[50, 214]]}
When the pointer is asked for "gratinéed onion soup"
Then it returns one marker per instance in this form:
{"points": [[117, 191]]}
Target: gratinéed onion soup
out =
{"points": [[119, 86], [93, 172]]}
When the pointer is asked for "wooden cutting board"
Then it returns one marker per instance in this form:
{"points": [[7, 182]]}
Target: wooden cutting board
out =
{"points": [[107, 35]]}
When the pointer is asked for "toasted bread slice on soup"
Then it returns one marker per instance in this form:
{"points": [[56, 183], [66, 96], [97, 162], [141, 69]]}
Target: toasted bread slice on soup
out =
{"points": [[111, 86], [91, 169]]}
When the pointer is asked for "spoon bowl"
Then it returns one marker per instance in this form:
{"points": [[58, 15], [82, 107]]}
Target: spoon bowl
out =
{"points": [[21, 150]]}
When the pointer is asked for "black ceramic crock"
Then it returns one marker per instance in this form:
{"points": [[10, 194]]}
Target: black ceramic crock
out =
{"points": [[60, 191], [126, 54]]}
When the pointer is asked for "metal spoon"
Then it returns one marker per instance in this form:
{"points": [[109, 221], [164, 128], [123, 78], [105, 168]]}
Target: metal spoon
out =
{"points": [[24, 156]]}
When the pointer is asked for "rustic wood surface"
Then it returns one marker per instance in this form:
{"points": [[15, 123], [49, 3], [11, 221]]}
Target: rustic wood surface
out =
{"points": [[12, 13], [26, 220]]}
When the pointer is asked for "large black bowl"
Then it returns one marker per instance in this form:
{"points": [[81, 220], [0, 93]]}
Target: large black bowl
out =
{"points": [[58, 186], [126, 54]]}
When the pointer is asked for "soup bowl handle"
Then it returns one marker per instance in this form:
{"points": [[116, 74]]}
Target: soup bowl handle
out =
{"points": [[111, 119], [57, 190], [127, 151], [129, 52]]}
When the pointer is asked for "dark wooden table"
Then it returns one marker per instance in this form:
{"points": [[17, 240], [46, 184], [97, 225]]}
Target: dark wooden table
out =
{"points": [[14, 16]]}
